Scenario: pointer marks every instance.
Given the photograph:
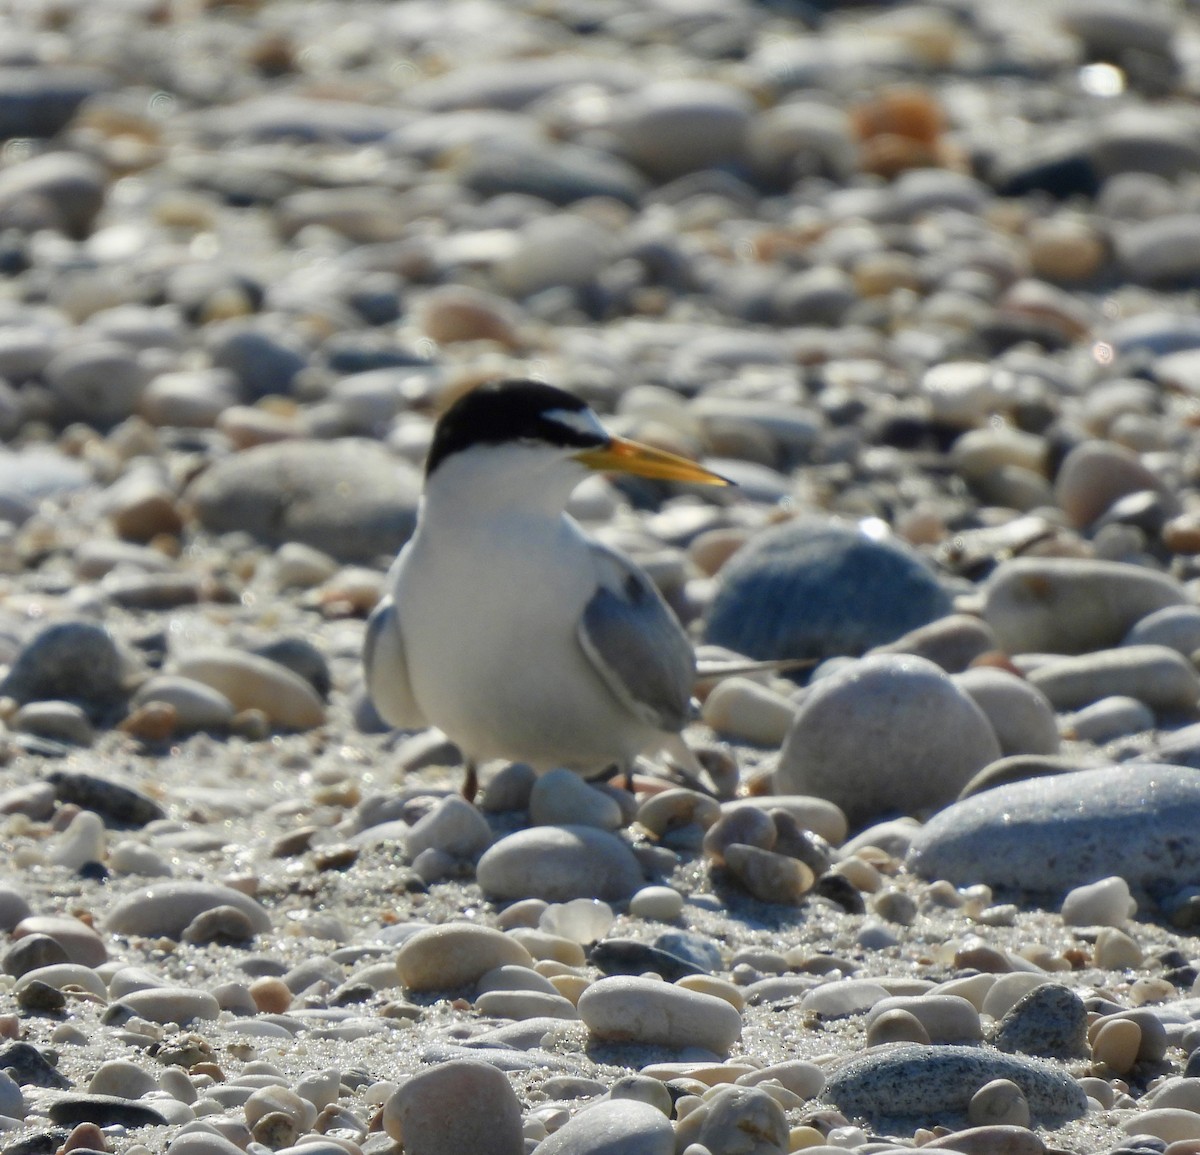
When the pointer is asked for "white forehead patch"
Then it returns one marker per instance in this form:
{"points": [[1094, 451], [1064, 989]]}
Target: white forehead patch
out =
{"points": [[578, 421]]}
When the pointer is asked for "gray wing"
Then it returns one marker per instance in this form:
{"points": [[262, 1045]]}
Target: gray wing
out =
{"points": [[387, 670], [636, 643]]}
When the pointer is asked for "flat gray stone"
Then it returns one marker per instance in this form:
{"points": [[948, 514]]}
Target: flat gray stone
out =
{"points": [[928, 1085], [1047, 835]]}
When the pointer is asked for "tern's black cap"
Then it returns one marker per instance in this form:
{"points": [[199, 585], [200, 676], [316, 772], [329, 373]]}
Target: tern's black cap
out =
{"points": [[504, 411]]}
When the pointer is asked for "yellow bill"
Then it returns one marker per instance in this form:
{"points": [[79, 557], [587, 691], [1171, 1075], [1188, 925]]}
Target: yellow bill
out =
{"points": [[622, 456]]}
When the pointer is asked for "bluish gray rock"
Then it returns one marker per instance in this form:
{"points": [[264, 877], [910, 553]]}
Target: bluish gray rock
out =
{"points": [[1044, 836], [818, 589]]}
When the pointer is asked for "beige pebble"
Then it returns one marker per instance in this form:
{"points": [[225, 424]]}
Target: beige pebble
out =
{"points": [[455, 954], [1007, 989], [769, 877], [80, 942], [741, 824], [453, 313], [560, 797], [271, 995], [570, 986], [712, 985], [1063, 248], [673, 809], [1116, 951], [896, 1026], [800, 1076], [197, 706], [269, 1100], [520, 1005], [1171, 1124], [300, 566], [740, 708], [803, 1137], [1106, 902], [859, 873], [251, 682], [1094, 474], [710, 550], [1176, 1092], [1000, 1102], [542, 945], [661, 903], [250, 425], [85, 1137], [973, 988], [946, 1018], [998, 1139], [1150, 990], [638, 1010], [1116, 1044]]}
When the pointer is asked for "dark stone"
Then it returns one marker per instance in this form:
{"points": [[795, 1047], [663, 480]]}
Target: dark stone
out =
{"points": [[301, 657], [118, 805], [620, 956], [264, 362], [104, 1111], [560, 175], [29, 1067], [41, 998], [70, 661], [32, 951], [39, 1143], [41, 100], [841, 891]]}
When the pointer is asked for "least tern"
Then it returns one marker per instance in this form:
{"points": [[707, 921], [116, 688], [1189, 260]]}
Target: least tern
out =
{"points": [[504, 624]]}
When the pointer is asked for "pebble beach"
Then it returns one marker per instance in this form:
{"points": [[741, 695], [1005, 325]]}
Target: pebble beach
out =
{"points": [[922, 280]]}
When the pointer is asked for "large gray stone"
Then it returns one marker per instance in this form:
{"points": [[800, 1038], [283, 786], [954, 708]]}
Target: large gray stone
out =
{"points": [[926, 1085], [1046, 835], [890, 733], [350, 498]]}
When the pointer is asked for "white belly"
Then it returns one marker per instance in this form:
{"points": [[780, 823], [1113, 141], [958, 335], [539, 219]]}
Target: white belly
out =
{"points": [[493, 655]]}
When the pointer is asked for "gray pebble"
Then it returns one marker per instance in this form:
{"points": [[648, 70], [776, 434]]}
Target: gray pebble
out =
{"points": [[620, 1126], [1050, 1021], [349, 498], [559, 863], [427, 1111], [1160, 677], [167, 908], [1071, 606]]}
